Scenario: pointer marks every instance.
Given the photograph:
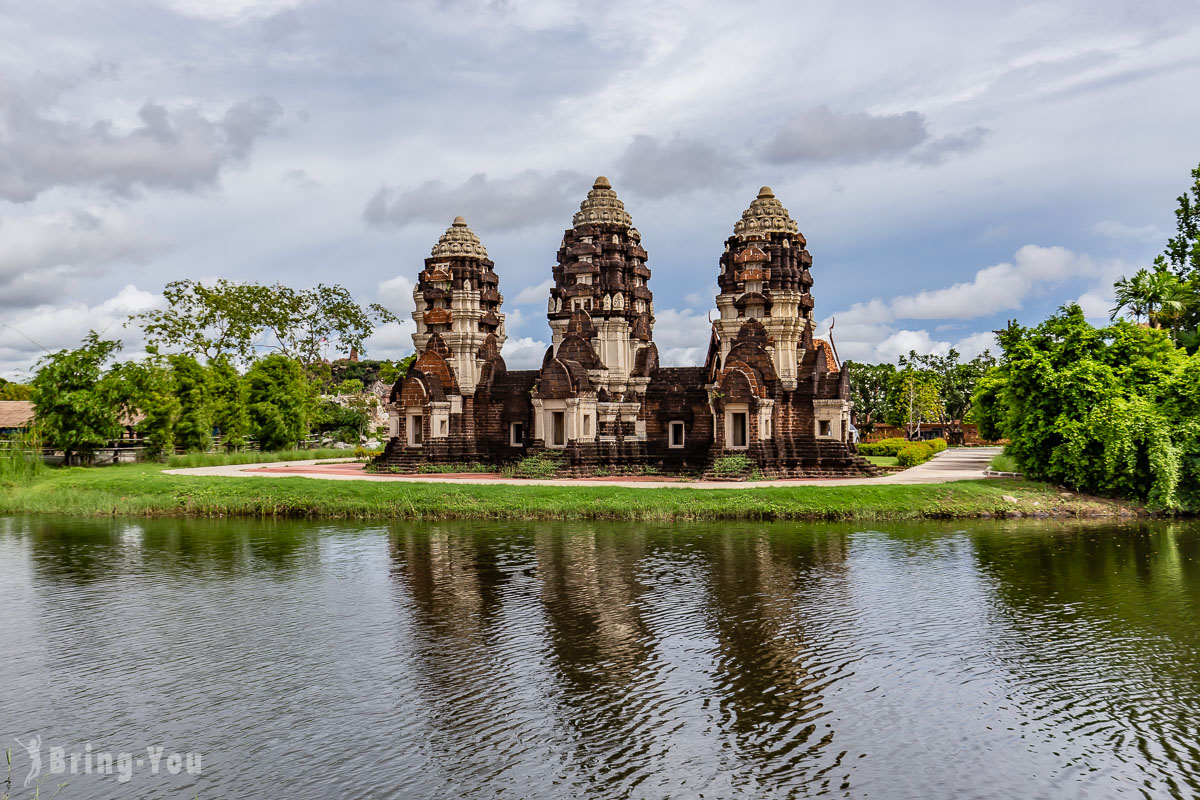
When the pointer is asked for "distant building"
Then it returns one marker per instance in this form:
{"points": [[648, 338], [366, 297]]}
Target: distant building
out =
{"points": [[15, 416], [767, 390]]}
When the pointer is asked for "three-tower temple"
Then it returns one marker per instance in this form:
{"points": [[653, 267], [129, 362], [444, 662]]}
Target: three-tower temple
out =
{"points": [[767, 390]]}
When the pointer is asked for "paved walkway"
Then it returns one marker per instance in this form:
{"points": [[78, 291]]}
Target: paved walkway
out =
{"points": [[956, 464]]}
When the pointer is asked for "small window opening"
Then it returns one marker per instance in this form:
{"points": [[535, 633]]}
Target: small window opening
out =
{"points": [[823, 427], [587, 424], [415, 422], [676, 435], [516, 434], [738, 434], [558, 428]]}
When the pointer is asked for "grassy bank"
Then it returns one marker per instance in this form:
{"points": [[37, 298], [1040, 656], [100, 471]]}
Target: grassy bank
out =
{"points": [[143, 490]]}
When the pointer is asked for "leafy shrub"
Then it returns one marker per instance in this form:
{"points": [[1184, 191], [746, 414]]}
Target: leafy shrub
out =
{"points": [[731, 466], [538, 465], [913, 454], [343, 423], [938, 444], [884, 447], [362, 452], [448, 469]]}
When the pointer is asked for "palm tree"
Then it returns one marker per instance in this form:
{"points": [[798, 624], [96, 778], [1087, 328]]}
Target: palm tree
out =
{"points": [[1169, 299], [1158, 296], [1133, 293]]}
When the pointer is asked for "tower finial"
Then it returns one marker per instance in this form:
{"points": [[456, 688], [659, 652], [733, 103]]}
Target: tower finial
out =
{"points": [[765, 192], [601, 183]]}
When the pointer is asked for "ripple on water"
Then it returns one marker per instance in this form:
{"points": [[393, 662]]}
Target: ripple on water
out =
{"points": [[613, 661]]}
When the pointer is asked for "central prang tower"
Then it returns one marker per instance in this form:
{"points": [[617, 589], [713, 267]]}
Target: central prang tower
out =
{"points": [[602, 271], [765, 276]]}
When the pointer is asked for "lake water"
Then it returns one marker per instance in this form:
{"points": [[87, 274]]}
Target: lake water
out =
{"points": [[304, 660]]}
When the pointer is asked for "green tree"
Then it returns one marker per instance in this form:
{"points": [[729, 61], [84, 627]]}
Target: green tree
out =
{"points": [[148, 395], [345, 423], [1170, 294], [307, 323], [1132, 294], [230, 415], [14, 391], [958, 394], [350, 386], [278, 396], [225, 319], [77, 403], [1159, 296], [1103, 411], [990, 412], [193, 388], [1183, 249], [236, 319], [955, 380], [914, 399], [869, 385]]}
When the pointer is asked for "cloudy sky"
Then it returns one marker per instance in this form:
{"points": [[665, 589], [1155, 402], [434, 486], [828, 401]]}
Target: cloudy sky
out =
{"points": [[953, 166]]}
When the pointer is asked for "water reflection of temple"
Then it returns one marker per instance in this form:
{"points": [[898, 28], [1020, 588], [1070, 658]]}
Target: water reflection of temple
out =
{"points": [[596, 641]]}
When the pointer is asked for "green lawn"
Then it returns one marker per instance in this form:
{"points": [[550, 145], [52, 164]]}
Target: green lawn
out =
{"points": [[883, 461], [144, 490]]}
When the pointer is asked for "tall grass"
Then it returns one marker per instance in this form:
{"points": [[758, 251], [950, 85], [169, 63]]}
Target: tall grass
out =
{"points": [[19, 463], [253, 457]]}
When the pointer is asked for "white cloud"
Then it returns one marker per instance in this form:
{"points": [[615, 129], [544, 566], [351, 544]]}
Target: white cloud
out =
{"points": [[682, 356], [681, 328], [938, 150], [523, 353], [534, 294], [902, 342], [868, 331], [30, 334], [679, 165], [1000, 287], [515, 319], [820, 134], [42, 257], [971, 346], [1096, 304], [230, 10], [392, 340], [526, 198], [702, 299], [177, 148], [1119, 230], [396, 295]]}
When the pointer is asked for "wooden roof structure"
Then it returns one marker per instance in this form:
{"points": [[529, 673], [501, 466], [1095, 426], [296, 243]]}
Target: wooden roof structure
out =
{"points": [[15, 414]]}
